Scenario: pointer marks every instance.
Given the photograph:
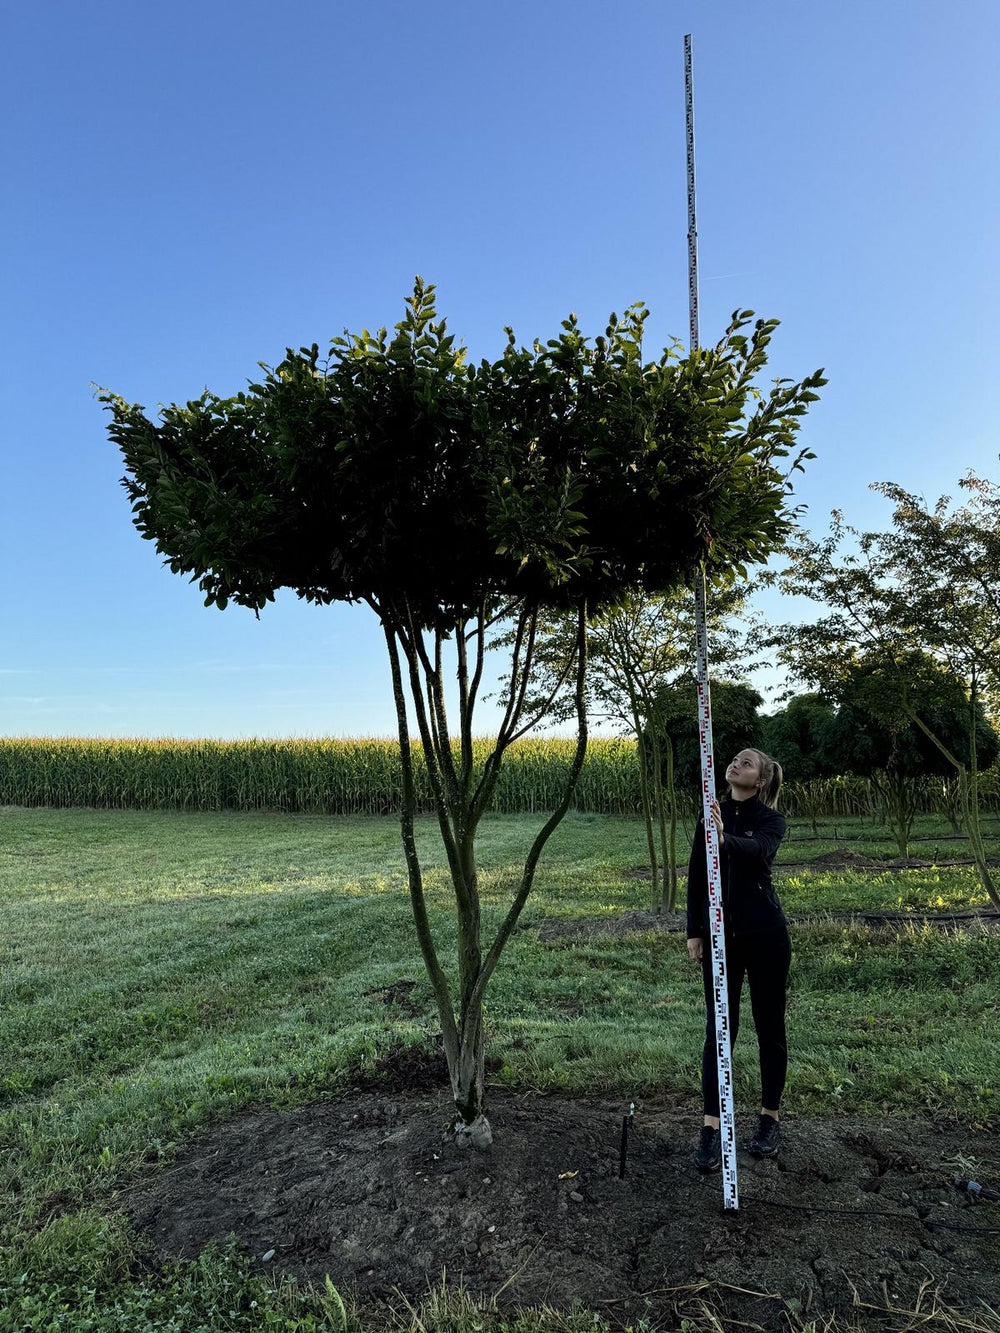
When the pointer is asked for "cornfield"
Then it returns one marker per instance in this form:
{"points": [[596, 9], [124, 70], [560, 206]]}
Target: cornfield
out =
{"points": [[362, 777], [346, 777]]}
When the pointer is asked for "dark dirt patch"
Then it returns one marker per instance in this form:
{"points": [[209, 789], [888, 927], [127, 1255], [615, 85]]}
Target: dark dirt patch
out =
{"points": [[366, 1189], [841, 858], [639, 922], [407, 1069], [847, 860], [397, 996]]}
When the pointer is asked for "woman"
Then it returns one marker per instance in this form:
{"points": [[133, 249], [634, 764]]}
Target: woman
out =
{"points": [[757, 943]]}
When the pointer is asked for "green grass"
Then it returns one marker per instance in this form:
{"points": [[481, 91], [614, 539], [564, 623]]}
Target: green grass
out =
{"points": [[161, 970]]}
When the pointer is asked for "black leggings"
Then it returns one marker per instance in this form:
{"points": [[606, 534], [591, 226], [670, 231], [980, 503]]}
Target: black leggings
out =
{"points": [[764, 958]]}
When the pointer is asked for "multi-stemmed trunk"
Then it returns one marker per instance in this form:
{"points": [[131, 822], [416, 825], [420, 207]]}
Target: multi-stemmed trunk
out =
{"points": [[951, 796], [900, 795], [646, 799], [672, 837], [968, 793], [461, 796], [668, 843], [662, 866]]}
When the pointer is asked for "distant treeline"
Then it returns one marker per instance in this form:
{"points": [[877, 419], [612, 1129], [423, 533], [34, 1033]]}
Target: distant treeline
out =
{"points": [[362, 777]]}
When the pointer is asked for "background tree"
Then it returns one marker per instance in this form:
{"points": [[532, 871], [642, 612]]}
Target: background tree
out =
{"points": [[813, 740], [448, 496], [872, 735], [799, 736], [932, 584], [636, 650], [736, 723]]}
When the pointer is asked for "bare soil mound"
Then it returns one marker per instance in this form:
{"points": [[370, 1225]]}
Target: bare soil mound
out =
{"points": [[841, 858], [366, 1188]]}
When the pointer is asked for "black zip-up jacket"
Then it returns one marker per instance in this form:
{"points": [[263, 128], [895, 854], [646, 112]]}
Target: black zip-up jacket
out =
{"points": [[753, 835]]}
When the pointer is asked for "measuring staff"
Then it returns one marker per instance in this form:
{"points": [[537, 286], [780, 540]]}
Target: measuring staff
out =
{"points": [[725, 1140]]}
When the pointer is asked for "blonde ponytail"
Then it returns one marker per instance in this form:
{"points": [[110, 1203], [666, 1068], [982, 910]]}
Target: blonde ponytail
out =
{"points": [[770, 772]]}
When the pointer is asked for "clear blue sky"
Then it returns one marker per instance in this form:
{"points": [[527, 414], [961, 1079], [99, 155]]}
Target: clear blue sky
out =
{"points": [[189, 188]]}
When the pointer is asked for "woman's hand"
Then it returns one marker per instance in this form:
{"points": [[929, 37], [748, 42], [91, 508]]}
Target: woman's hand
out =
{"points": [[696, 948], [717, 818]]}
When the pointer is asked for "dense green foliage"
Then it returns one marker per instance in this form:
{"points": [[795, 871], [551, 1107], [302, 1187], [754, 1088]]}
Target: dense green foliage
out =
{"points": [[394, 470], [736, 724], [817, 738]]}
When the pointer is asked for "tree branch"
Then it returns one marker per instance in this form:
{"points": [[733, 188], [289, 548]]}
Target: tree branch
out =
{"points": [[439, 981], [465, 706], [430, 759], [510, 921]]}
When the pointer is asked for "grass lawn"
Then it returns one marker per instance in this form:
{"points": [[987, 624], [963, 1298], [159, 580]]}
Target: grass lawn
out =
{"points": [[159, 970]]}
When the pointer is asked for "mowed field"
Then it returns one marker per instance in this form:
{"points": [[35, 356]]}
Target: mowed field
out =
{"points": [[160, 971]]}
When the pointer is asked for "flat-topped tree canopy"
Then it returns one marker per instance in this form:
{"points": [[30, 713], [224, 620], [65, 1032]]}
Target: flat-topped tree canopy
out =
{"points": [[395, 469]]}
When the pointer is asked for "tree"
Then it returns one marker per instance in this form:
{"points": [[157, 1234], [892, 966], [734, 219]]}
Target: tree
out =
{"points": [[644, 651], [636, 650], [736, 724], [933, 584], [448, 497], [798, 736], [871, 734]]}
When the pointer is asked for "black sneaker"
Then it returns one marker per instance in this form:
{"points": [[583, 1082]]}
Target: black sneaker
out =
{"points": [[766, 1138], [709, 1154]]}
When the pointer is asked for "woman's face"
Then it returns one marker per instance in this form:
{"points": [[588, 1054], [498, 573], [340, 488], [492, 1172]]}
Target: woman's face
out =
{"points": [[744, 771]]}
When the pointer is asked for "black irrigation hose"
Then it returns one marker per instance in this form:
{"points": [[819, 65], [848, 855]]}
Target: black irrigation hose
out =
{"points": [[876, 1212], [854, 1212]]}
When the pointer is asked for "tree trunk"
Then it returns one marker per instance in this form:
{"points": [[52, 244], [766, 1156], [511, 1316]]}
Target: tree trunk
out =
{"points": [[898, 794], [672, 798], [950, 800], [972, 821], [647, 808], [661, 901], [439, 982], [968, 802], [470, 1126], [813, 807]]}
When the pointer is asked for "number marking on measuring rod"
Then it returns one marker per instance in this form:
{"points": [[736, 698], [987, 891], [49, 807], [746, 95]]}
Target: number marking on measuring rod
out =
{"points": [[717, 934]]}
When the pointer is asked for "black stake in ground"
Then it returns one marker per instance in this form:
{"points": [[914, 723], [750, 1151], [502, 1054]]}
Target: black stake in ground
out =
{"points": [[624, 1149]]}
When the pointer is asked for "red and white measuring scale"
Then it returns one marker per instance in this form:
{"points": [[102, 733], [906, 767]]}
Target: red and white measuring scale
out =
{"points": [[717, 936]]}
